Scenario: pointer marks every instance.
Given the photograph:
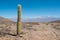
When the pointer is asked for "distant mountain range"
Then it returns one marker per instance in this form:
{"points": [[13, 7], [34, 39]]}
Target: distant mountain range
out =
{"points": [[37, 19]]}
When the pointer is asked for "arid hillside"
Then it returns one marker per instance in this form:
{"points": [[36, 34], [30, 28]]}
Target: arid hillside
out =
{"points": [[29, 30], [57, 21], [6, 25], [5, 21]]}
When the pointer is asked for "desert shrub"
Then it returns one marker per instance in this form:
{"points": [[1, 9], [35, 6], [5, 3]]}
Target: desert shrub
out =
{"points": [[46, 23], [52, 24], [22, 33], [35, 29], [57, 25]]}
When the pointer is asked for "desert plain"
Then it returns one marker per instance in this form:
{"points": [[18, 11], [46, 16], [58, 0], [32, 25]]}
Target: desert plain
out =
{"points": [[30, 31]]}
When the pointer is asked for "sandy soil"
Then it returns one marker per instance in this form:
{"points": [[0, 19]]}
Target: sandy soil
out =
{"points": [[43, 31]]}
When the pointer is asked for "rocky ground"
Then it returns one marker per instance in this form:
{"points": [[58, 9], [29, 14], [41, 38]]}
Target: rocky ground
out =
{"points": [[40, 31]]}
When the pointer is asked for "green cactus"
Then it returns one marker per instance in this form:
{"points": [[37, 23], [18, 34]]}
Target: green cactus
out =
{"points": [[19, 20]]}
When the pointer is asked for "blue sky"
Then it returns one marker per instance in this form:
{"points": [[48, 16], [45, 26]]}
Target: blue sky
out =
{"points": [[30, 8]]}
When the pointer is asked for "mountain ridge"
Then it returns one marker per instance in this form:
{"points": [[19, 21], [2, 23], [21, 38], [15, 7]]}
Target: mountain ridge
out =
{"points": [[37, 19], [4, 20]]}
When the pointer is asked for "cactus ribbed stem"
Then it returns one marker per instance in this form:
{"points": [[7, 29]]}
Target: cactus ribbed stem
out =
{"points": [[19, 20]]}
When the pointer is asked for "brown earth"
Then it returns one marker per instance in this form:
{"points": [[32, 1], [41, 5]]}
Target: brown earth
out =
{"points": [[29, 31], [43, 31]]}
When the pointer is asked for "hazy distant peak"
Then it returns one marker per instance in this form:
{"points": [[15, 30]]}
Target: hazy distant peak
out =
{"points": [[37, 19]]}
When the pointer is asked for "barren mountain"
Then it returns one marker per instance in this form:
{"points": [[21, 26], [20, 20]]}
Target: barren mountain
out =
{"points": [[5, 21]]}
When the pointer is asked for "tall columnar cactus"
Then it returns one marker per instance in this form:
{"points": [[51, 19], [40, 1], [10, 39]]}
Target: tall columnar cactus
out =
{"points": [[19, 20]]}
